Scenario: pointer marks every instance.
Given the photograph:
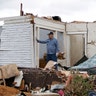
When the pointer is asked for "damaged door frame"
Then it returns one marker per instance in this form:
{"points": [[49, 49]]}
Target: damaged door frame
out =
{"points": [[85, 42], [49, 25]]}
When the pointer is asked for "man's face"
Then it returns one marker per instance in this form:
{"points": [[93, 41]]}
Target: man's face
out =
{"points": [[51, 36]]}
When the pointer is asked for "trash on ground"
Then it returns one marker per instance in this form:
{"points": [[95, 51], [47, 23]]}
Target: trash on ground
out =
{"points": [[47, 81]]}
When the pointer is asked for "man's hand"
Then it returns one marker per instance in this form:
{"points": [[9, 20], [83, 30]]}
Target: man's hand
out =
{"points": [[62, 53], [57, 54]]}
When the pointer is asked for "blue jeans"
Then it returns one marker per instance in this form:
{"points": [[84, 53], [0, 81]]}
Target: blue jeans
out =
{"points": [[52, 57]]}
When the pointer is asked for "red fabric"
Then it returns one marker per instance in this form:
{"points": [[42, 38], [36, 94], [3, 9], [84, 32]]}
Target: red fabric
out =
{"points": [[61, 92]]}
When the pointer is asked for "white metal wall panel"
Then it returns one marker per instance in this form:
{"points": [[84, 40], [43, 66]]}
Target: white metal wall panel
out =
{"points": [[91, 38], [76, 48], [60, 38], [17, 43], [76, 27], [49, 24], [0, 29]]}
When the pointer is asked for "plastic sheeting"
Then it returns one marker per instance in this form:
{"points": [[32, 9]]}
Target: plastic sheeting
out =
{"points": [[90, 63]]}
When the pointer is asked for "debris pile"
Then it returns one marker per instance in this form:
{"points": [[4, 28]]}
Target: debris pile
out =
{"points": [[79, 86], [8, 91], [48, 81]]}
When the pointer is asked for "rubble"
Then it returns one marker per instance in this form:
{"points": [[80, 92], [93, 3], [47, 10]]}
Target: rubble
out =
{"points": [[57, 86], [47, 81], [61, 56], [56, 18], [50, 65], [90, 63], [8, 91], [44, 82], [78, 22], [9, 71], [46, 94], [79, 86], [18, 79]]}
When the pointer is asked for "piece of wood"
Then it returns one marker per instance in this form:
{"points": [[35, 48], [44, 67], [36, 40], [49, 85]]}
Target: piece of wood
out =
{"points": [[45, 94], [9, 71], [18, 79], [50, 65]]}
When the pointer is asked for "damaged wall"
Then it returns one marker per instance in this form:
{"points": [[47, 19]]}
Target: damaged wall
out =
{"points": [[87, 34], [17, 36], [76, 48], [16, 42], [47, 26], [0, 29], [0, 34], [91, 39], [76, 32], [76, 27]]}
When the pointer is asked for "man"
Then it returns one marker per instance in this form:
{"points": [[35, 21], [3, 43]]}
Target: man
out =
{"points": [[52, 47]]}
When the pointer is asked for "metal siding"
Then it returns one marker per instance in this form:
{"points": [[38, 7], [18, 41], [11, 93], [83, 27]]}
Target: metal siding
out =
{"points": [[49, 24], [60, 38], [76, 48], [76, 27], [17, 44], [0, 29], [91, 37]]}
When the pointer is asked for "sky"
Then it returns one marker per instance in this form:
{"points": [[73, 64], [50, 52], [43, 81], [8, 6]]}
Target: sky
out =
{"points": [[68, 10]]}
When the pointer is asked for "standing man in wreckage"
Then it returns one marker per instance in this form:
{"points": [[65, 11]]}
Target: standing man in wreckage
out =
{"points": [[52, 47]]}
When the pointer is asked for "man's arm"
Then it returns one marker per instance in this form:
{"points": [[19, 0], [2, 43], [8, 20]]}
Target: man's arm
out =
{"points": [[40, 41]]}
